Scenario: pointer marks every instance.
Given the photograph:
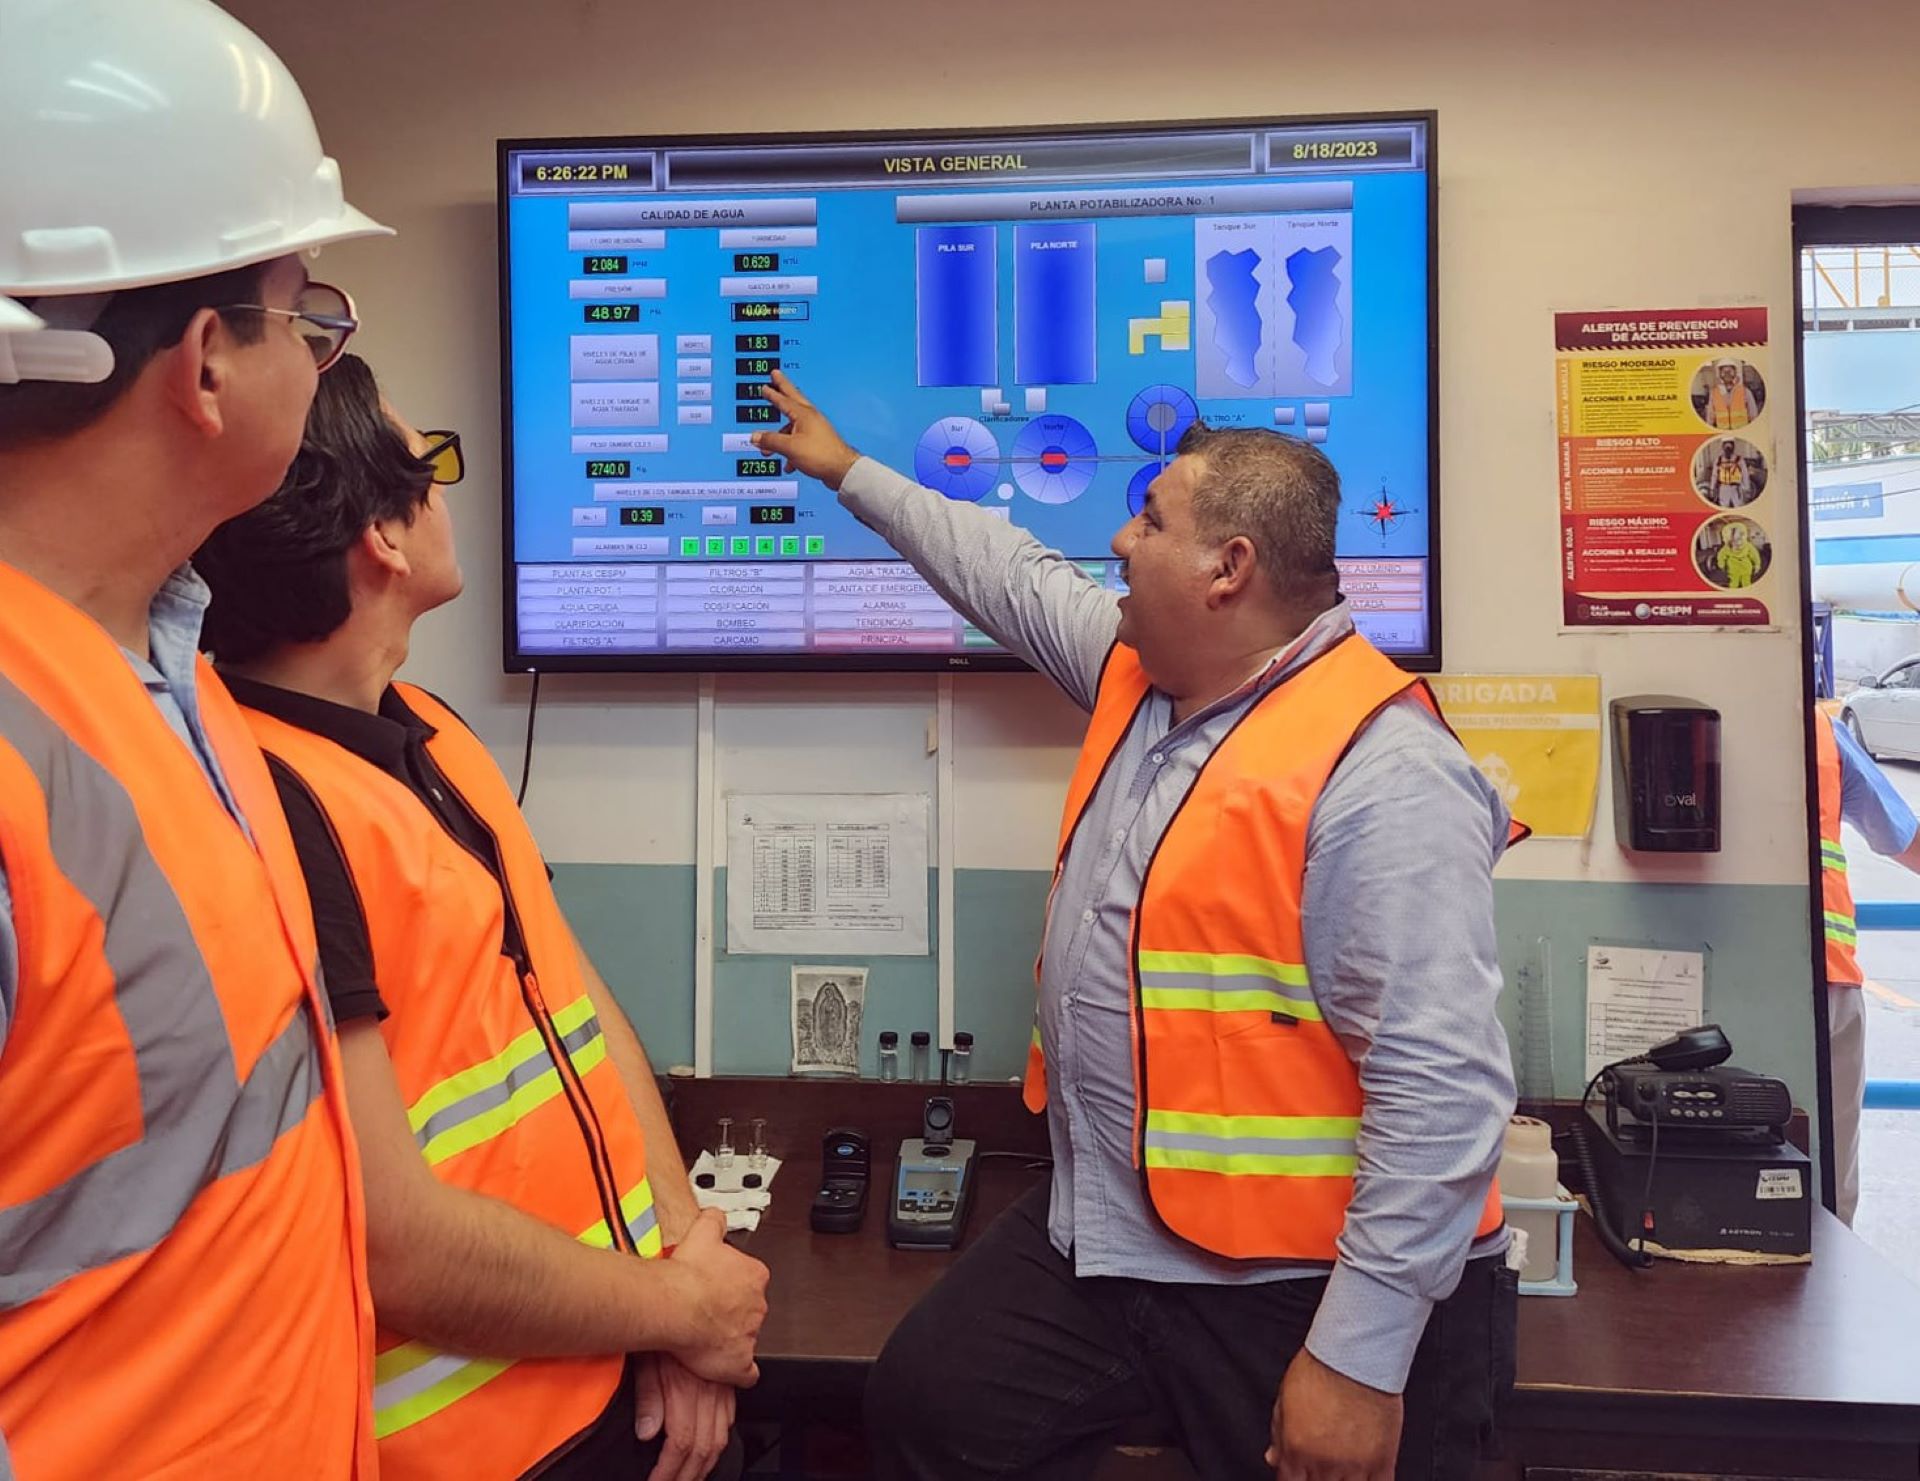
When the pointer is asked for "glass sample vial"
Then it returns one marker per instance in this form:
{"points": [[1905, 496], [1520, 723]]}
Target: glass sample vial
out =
{"points": [[922, 1041], [960, 1062], [889, 1055], [757, 1146], [723, 1153]]}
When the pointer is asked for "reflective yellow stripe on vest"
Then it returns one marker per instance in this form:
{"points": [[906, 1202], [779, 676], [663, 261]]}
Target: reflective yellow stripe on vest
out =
{"points": [[1224, 982], [1833, 856], [415, 1381], [1270, 1146], [637, 1209], [478, 1104], [1841, 928]]}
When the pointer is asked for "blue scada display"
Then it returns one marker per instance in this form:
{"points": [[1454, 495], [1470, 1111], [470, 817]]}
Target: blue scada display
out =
{"points": [[1026, 322]]}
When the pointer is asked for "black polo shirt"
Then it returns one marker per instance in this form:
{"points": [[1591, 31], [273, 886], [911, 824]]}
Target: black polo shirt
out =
{"points": [[395, 741]]}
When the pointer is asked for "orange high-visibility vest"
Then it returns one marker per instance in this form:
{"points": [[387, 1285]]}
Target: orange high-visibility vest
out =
{"points": [[1836, 896], [1727, 405], [504, 1071], [1247, 1109], [182, 1256]]}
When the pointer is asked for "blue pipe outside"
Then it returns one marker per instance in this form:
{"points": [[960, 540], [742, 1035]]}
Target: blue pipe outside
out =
{"points": [[1887, 915]]}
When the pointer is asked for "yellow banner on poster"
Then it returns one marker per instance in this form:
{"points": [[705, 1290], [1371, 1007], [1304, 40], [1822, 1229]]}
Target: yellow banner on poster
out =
{"points": [[1536, 737], [1645, 395]]}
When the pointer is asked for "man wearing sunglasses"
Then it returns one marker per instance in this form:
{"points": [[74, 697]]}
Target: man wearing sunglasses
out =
{"points": [[517, 1153], [182, 1262]]}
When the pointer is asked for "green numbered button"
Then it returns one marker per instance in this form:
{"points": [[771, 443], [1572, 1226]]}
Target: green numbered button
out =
{"points": [[689, 544], [789, 544], [764, 544], [743, 545], [816, 545], [716, 545]]}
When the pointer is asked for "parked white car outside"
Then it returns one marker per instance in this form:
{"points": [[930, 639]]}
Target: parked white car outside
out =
{"points": [[1884, 712]]}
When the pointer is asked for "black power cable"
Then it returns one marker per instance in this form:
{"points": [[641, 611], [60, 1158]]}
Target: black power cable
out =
{"points": [[1646, 1193], [1695, 1049], [526, 764], [1617, 1246]]}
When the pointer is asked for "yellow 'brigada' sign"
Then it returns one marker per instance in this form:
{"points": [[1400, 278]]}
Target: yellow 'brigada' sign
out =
{"points": [[1536, 737]]}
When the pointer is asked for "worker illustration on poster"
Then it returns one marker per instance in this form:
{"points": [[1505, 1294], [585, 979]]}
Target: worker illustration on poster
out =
{"points": [[1664, 468], [1732, 551], [1728, 394], [1729, 472]]}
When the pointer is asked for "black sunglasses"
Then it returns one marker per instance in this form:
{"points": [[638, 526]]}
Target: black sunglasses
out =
{"points": [[444, 457]]}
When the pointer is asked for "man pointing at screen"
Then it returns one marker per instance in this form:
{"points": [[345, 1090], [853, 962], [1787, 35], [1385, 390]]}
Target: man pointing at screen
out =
{"points": [[1266, 1042]]}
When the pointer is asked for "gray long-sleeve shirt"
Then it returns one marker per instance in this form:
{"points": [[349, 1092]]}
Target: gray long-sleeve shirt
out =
{"points": [[1398, 920]]}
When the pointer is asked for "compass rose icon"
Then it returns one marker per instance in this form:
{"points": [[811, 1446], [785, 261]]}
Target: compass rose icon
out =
{"points": [[1384, 512]]}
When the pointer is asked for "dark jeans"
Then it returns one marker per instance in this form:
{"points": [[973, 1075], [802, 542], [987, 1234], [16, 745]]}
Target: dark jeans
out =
{"points": [[1014, 1366]]}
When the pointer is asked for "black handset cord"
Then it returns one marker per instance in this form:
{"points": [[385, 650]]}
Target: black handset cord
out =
{"points": [[1617, 1246]]}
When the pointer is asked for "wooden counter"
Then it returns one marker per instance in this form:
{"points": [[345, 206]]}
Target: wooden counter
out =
{"points": [[1799, 1371]]}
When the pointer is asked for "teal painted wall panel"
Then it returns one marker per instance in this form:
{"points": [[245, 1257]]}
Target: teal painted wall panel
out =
{"points": [[1759, 980], [752, 1002], [1002, 912], [637, 923]]}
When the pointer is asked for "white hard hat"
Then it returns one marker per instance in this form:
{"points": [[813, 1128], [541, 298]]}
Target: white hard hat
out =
{"points": [[15, 324], [152, 141], [14, 319]]}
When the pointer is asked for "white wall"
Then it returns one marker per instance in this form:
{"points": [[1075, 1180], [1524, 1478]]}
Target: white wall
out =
{"points": [[1633, 154]]}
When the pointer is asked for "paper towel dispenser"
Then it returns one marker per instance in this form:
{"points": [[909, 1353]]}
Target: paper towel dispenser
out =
{"points": [[1666, 774]]}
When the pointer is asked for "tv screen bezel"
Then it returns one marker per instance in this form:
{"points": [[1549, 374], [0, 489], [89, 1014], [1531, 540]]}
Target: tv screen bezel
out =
{"points": [[516, 661]]}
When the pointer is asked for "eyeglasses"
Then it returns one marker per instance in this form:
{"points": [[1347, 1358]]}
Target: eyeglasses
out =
{"points": [[324, 313], [444, 457]]}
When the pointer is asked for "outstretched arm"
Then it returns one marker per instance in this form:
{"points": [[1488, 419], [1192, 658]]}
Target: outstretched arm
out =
{"points": [[1030, 599]]}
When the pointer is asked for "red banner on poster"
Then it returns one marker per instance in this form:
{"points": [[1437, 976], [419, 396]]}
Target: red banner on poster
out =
{"points": [[1661, 329]]}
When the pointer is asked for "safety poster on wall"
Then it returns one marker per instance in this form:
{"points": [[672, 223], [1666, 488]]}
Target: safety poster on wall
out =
{"points": [[1667, 515]]}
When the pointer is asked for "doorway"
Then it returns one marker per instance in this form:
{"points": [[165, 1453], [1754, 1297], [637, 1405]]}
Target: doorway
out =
{"points": [[1857, 348]]}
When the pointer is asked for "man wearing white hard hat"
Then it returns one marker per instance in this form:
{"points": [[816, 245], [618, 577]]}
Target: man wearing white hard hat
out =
{"points": [[1730, 403], [182, 1265]]}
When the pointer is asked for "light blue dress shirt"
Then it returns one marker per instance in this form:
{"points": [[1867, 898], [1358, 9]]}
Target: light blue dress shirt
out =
{"points": [[1869, 801], [1398, 921]]}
